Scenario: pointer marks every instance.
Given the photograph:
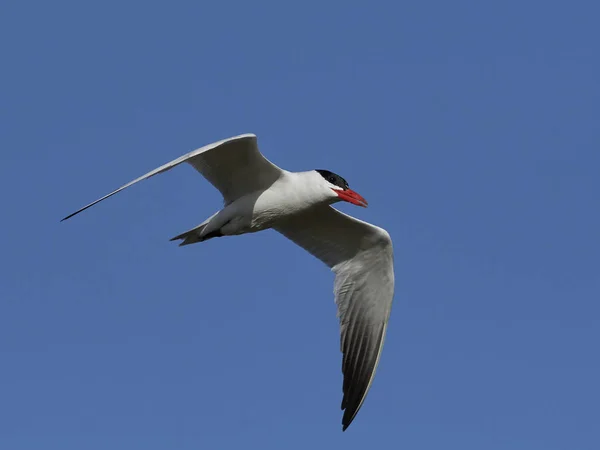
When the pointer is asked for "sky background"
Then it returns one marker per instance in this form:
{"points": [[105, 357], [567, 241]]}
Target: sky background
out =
{"points": [[472, 127]]}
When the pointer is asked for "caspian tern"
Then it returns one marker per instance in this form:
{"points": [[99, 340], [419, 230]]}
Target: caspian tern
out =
{"points": [[259, 195]]}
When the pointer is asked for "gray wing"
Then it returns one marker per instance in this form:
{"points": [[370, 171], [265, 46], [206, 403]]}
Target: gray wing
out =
{"points": [[234, 166], [361, 256]]}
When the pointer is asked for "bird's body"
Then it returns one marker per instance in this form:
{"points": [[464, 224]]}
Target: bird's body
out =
{"points": [[290, 195], [259, 195]]}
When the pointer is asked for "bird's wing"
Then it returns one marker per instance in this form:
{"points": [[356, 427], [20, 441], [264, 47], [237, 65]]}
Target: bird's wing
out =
{"points": [[361, 256], [235, 166]]}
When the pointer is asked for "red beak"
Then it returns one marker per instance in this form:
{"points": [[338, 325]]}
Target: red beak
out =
{"points": [[350, 196]]}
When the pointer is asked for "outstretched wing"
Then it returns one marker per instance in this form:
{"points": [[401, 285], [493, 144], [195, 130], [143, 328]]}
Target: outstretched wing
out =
{"points": [[234, 166], [361, 256]]}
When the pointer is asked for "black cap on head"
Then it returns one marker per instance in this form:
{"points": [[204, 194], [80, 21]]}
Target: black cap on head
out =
{"points": [[333, 178]]}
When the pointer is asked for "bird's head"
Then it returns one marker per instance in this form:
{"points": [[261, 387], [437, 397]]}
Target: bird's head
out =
{"points": [[339, 190]]}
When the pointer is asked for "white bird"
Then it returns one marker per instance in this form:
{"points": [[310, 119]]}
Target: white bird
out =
{"points": [[259, 195]]}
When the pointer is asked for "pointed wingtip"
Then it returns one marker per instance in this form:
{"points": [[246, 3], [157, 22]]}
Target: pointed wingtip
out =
{"points": [[74, 214], [346, 421]]}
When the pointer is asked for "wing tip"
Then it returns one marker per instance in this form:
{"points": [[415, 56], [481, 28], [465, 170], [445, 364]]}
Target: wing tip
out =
{"points": [[349, 404], [348, 417], [69, 216], [84, 208]]}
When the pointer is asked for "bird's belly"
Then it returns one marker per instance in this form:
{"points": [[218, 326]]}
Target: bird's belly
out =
{"points": [[242, 224], [249, 215], [258, 212], [273, 207]]}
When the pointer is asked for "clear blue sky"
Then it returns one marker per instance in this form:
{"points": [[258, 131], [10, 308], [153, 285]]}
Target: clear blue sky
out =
{"points": [[471, 127]]}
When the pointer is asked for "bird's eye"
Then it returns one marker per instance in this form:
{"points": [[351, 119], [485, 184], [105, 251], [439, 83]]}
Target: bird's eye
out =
{"points": [[332, 180]]}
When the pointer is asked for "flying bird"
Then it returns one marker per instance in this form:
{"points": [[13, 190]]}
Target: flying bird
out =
{"points": [[259, 195]]}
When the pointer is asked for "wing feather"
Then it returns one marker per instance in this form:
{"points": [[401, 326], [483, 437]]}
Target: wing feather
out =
{"points": [[361, 256], [234, 166]]}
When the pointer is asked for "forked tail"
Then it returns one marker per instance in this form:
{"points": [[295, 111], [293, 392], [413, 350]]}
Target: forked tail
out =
{"points": [[195, 235]]}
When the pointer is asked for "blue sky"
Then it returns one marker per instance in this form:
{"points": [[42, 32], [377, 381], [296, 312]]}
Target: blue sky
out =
{"points": [[472, 129]]}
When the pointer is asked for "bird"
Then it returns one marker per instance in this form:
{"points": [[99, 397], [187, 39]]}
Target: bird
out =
{"points": [[258, 195]]}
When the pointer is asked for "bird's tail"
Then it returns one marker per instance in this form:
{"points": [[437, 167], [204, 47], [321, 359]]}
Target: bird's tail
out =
{"points": [[191, 236], [198, 234]]}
